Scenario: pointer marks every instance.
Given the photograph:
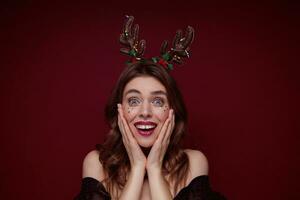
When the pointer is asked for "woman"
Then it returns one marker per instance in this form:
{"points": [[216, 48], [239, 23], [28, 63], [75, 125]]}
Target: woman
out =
{"points": [[142, 158]]}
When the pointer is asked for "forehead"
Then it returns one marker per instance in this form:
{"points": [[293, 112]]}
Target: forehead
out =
{"points": [[144, 84]]}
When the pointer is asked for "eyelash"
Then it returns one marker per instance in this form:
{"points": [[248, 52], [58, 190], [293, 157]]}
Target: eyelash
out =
{"points": [[133, 101], [161, 101]]}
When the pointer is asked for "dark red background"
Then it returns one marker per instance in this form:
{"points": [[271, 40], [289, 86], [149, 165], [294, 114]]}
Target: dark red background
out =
{"points": [[59, 62]]}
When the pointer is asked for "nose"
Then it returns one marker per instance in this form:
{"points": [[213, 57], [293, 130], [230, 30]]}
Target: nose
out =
{"points": [[145, 111]]}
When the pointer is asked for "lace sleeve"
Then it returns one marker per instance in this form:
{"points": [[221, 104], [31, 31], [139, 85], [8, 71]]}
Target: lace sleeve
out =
{"points": [[199, 189], [92, 189]]}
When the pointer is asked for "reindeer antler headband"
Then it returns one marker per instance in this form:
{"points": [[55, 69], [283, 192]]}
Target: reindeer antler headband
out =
{"points": [[135, 48]]}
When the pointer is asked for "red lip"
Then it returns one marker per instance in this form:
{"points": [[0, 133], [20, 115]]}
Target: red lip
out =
{"points": [[145, 123], [145, 133]]}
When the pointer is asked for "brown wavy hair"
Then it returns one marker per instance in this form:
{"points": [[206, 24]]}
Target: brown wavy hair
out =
{"points": [[112, 153]]}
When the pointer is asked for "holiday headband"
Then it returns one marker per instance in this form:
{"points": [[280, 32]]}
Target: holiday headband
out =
{"points": [[135, 49]]}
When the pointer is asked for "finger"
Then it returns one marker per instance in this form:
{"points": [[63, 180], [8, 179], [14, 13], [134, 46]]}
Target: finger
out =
{"points": [[169, 129], [164, 129], [125, 139], [173, 122], [121, 127], [125, 124]]}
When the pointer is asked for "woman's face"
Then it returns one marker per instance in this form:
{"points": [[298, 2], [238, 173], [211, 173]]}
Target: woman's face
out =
{"points": [[146, 108]]}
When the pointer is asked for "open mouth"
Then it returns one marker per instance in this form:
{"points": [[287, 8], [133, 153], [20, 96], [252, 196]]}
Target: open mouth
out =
{"points": [[145, 128]]}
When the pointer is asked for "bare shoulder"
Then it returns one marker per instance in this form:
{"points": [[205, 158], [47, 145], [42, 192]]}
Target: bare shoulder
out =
{"points": [[198, 163], [92, 167]]}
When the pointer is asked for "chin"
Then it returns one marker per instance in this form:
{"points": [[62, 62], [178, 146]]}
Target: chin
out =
{"points": [[146, 144], [145, 141]]}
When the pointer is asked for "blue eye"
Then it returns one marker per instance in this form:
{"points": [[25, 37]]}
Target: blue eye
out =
{"points": [[133, 101], [158, 102]]}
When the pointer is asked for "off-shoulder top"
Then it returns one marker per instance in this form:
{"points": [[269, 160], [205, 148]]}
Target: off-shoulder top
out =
{"points": [[198, 189]]}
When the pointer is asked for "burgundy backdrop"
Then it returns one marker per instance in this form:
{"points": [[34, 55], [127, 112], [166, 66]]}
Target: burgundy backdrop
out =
{"points": [[59, 62]]}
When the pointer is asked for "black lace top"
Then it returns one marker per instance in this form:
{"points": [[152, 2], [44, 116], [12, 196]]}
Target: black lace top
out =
{"points": [[198, 189]]}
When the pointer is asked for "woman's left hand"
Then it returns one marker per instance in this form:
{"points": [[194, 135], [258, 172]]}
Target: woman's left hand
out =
{"points": [[160, 146]]}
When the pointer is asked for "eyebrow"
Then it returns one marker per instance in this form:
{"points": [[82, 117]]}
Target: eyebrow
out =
{"points": [[158, 92]]}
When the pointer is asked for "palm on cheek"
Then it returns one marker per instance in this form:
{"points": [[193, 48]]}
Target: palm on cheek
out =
{"points": [[135, 154], [159, 148]]}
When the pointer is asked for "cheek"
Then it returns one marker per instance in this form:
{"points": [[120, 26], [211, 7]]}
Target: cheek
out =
{"points": [[162, 113], [130, 113]]}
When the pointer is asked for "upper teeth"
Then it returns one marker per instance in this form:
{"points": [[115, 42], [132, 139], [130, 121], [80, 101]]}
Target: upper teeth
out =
{"points": [[145, 126]]}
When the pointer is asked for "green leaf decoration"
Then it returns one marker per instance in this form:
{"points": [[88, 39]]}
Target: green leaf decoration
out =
{"points": [[166, 57], [132, 52], [154, 59], [170, 66]]}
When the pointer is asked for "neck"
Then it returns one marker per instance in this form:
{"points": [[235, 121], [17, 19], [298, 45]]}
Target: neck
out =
{"points": [[146, 150]]}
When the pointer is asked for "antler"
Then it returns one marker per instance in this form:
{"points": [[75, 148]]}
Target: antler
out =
{"points": [[180, 46], [129, 38]]}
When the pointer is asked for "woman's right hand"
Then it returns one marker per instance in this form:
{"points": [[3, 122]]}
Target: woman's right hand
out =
{"points": [[134, 151]]}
